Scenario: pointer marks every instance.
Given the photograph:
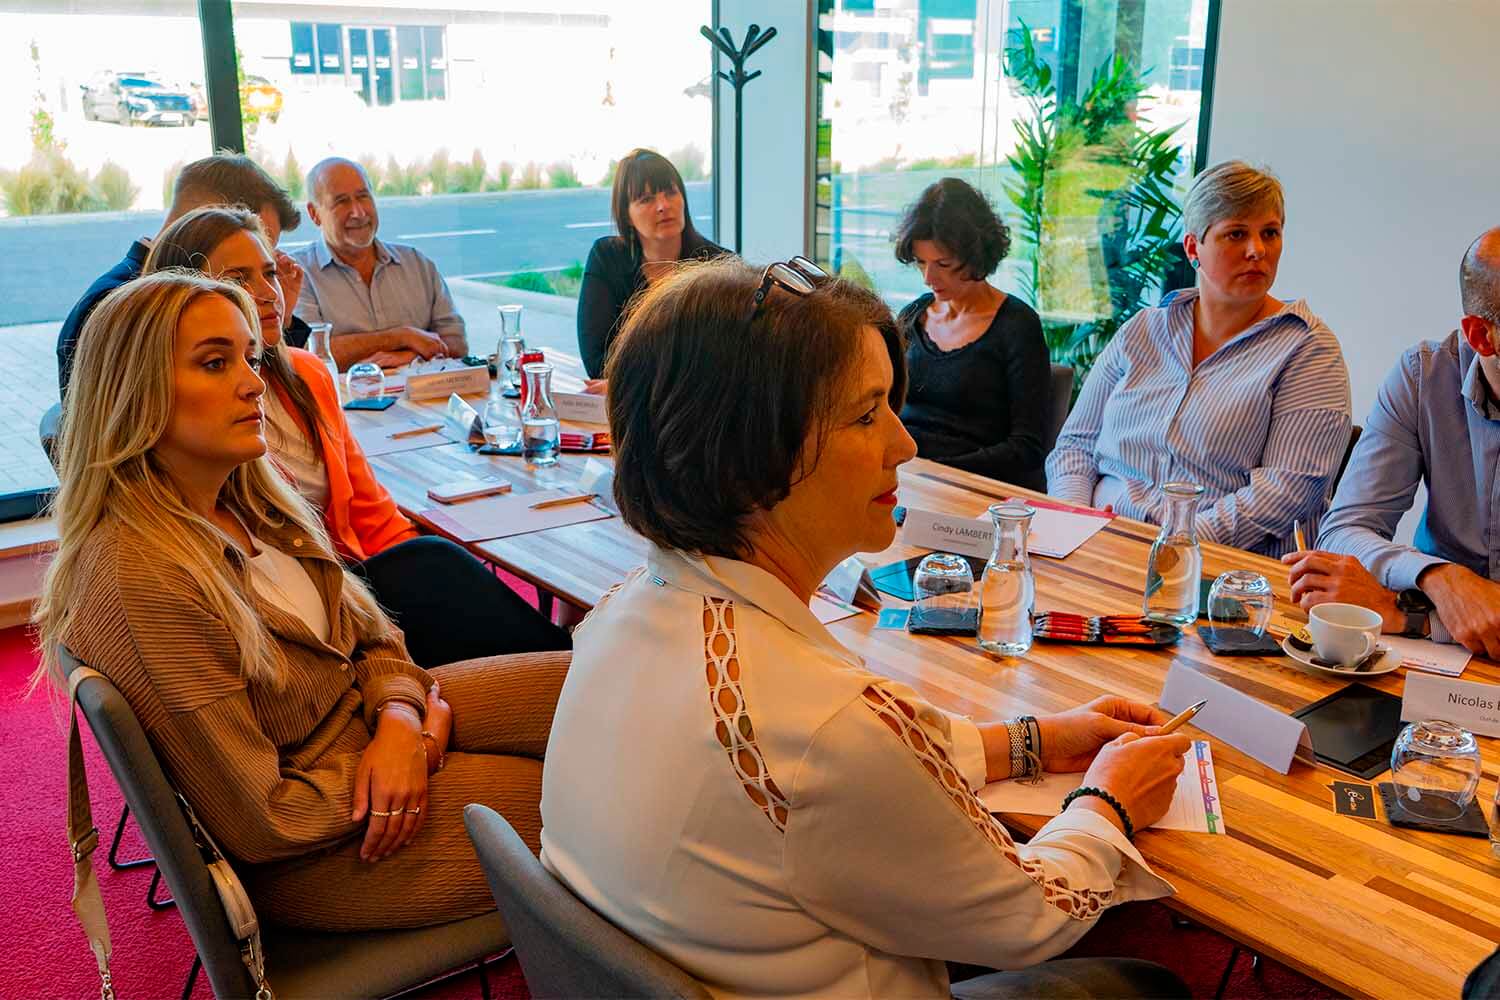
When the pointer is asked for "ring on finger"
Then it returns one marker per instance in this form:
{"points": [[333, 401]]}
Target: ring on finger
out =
{"points": [[413, 811], [385, 812]]}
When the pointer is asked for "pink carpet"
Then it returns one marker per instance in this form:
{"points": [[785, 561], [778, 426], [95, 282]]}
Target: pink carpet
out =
{"points": [[45, 954]]}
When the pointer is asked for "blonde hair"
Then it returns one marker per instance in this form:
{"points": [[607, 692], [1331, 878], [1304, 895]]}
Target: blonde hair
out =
{"points": [[117, 408], [1229, 190]]}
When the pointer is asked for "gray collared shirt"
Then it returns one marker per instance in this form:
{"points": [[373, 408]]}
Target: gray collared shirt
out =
{"points": [[1434, 421], [406, 290]]}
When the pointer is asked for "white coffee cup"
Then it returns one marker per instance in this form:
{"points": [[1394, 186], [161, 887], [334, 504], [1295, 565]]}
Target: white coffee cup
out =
{"points": [[1343, 633]]}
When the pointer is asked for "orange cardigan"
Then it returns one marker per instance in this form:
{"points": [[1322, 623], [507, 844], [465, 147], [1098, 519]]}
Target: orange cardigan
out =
{"points": [[361, 517]]}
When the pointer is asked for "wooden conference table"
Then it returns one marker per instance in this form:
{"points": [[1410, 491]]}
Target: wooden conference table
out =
{"points": [[1367, 908]]}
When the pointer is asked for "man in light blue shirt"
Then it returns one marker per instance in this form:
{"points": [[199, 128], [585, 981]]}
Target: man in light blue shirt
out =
{"points": [[1436, 420], [386, 301]]}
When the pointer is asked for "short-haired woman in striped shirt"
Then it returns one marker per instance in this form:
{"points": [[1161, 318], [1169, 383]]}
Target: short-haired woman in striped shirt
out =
{"points": [[1223, 385]]}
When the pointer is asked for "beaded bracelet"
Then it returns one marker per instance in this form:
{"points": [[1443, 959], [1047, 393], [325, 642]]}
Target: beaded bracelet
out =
{"points": [[1114, 803]]}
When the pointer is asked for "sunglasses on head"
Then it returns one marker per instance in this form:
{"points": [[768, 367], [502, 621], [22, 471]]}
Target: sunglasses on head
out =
{"points": [[798, 275]]}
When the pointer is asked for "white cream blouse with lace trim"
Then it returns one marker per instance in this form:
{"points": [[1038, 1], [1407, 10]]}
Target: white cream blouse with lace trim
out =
{"points": [[731, 786]]}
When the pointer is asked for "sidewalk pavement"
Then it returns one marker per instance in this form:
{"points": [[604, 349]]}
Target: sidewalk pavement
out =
{"points": [[28, 368]]}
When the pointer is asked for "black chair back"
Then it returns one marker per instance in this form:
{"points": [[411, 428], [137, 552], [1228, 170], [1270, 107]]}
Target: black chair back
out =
{"points": [[1062, 402], [564, 947]]}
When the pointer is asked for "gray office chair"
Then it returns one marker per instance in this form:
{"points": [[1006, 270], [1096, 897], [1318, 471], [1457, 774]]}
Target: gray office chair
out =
{"points": [[565, 948], [298, 963], [47, 431], [1062, 402]]}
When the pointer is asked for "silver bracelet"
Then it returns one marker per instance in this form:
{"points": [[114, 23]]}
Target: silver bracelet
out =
{"points": [[1025, 744]]}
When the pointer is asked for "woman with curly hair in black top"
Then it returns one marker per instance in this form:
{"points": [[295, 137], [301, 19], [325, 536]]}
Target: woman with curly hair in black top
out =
{"points": [[979, 377]]}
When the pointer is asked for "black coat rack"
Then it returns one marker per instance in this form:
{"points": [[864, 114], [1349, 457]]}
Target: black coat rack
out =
{"points": [[755, 40]]}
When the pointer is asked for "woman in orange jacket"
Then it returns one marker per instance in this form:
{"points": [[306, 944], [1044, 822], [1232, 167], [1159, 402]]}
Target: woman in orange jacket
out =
{"points": [[450, 606]]}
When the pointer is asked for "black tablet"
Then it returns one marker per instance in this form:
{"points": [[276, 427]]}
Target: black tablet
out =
{"points": [[1353, 729]]}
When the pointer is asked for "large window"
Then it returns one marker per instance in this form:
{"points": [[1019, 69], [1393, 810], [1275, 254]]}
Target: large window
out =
{"points": [[490, 129], [1057, 109], [98, 109]]}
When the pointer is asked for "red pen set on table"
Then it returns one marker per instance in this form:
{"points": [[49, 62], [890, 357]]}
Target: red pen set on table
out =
{"points": [[1120, 630]]}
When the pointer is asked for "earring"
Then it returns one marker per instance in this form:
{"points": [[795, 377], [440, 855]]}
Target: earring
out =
{"points": [[1194, 262]]}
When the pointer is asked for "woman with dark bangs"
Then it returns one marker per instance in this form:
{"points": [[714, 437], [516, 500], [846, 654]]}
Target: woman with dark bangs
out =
{"points": [[650, 209]]}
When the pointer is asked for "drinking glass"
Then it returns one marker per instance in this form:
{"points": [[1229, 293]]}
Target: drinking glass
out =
{"points": [[501, 421], [365, 381], [1495, 825], [943, 580], [1240, 599], [1435, 769]]}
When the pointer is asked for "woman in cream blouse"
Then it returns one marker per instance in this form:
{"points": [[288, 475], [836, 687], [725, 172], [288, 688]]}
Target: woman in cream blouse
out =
{"points": [[733, 787]]}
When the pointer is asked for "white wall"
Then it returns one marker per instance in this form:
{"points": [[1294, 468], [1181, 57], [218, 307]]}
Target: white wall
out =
{"points": [[778, 159], [1379, 118]]}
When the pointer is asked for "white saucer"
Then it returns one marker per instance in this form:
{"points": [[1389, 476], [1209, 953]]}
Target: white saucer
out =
{"points": [[1390, 661]]}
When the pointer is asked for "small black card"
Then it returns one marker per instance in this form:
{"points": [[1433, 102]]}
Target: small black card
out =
{"points": [[1350, 798]]}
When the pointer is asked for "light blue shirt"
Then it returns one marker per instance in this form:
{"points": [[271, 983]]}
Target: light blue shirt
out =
{"points": [[1261, 424], [1434, 421], [405, 290]]}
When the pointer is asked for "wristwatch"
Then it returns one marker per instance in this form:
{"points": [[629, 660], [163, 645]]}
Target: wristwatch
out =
{"points": [[1417, 607]]}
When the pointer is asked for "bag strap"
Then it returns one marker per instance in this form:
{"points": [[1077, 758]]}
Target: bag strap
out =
{"points": [[83, 839]]}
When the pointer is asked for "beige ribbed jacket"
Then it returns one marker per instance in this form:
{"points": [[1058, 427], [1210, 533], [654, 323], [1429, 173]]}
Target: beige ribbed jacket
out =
{"points": [[271, 772]]}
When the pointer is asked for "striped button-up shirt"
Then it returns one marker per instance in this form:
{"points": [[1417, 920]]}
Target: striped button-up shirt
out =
{"points": [[405, 290], [1261, 424]]}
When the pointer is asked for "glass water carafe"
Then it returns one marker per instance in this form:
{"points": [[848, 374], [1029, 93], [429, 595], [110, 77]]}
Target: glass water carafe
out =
{"points": [[1176, 563], [1007, 591], [320, 342], [540, 433], [508, 352]]}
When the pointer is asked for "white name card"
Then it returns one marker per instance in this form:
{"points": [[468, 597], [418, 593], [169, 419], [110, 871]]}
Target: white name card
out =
{"points": [[948, 533], [583, 407], [1236, 718], [1470, 704], [459, 381]]}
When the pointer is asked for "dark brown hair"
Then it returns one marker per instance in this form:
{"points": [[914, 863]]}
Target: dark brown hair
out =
{"points": [[710, 416], [232, 179], [186, 244], [952, 213], [644, 171]]}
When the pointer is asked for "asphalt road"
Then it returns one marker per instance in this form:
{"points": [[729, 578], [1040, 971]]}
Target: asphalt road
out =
{"points": [[47, 262]]}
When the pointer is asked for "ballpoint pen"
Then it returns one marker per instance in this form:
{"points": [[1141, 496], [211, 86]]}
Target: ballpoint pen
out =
{"points": [[1298, 536], [559, 501], [1182, 718], [414, 431]]}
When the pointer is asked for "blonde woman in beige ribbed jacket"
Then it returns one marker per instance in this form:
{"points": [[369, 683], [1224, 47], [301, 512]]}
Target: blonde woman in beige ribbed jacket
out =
{"points": [[279, 697]]}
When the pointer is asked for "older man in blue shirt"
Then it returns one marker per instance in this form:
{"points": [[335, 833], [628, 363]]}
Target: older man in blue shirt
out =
{"points": [[386, 301], [1436, 420]]}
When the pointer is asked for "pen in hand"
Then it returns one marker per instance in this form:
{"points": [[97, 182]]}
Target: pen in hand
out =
{"points": [[1298, 536], [1182, 718]]}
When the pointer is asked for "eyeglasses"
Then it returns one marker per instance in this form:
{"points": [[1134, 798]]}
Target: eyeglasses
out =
{"points": [[798, 275]]}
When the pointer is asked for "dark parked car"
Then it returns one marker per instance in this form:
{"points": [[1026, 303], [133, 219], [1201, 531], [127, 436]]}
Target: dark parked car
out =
{"points": [[134, 98]]}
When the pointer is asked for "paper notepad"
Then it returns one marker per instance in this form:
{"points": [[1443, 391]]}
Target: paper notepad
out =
{"points": [[1059, 528], [378, 440], [1433, 657], [1195, 805], [504, 516]]}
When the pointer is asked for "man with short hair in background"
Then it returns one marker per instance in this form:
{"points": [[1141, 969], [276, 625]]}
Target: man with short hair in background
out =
{"points": [[221, 179], [387, 302], [1436, 420]]}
